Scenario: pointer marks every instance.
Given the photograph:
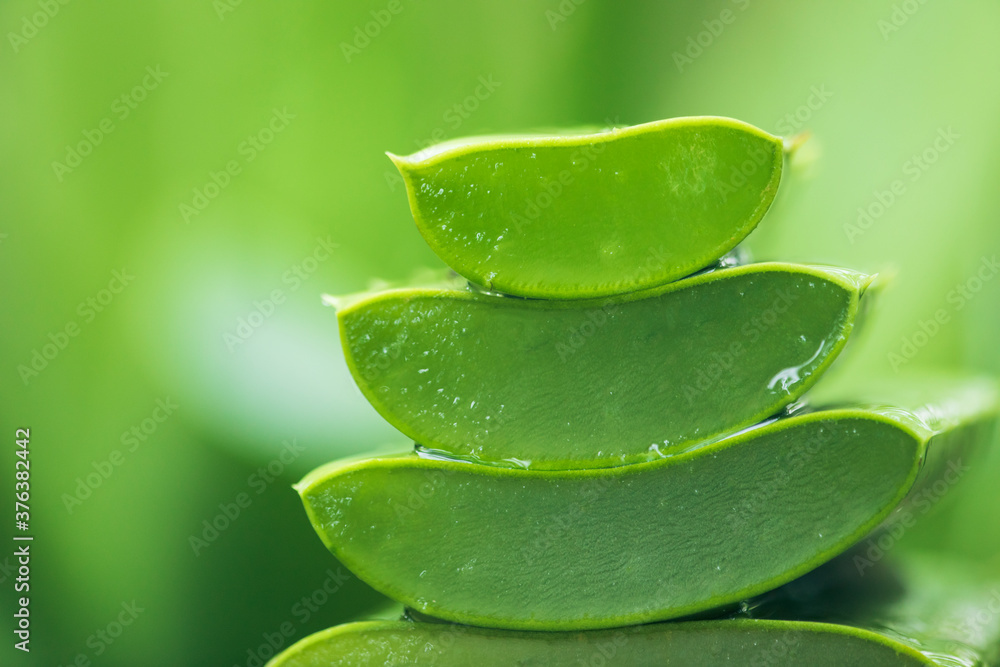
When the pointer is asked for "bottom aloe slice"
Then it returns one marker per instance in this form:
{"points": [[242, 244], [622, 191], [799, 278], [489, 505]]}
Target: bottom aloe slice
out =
{"points": [[703, 643], [559, 550], [928, 614]]}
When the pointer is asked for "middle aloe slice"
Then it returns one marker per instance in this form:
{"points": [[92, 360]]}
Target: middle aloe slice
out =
{"points": [[598, 382], [576, 549]]}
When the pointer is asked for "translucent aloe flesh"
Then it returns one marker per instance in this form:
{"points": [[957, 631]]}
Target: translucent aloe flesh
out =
{"points": [[705, 643], [935, 616], [598, 382], [557, 550], [566, 217]]}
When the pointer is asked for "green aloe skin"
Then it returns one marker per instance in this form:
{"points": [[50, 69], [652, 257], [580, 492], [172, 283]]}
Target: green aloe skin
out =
{"points": [[707, 643], [910, 612], [599, 548], [639, 375], [598, 459], [593, 215]]}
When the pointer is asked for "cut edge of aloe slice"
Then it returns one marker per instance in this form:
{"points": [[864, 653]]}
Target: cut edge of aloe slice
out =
{"points": [[849, 279], [456, 148], [916, 427], [855, 282], [453, 148]]}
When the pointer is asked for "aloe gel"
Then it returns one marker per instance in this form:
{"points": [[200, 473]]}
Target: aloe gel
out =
{"points": [[599, 548], [602, 382], [566, 217]]}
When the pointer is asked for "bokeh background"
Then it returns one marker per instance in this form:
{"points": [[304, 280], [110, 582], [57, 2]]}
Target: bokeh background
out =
{"points": [[118, 117]]}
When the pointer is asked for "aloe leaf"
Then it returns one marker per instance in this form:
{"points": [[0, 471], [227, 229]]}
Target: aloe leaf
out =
{"points": [[703, 643], [565, 217], [558, 550], [558, 384], [923, 612]]}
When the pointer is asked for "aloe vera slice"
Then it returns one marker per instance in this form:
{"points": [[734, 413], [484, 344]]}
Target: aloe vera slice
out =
{"points": [[559, 550], [566, 217], [939, 616], [704, 643], [558, 384]]}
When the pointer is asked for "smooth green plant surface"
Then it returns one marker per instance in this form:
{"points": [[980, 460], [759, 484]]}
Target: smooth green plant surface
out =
{"points": [[703, 643], [585, 216], [916, 610], [560, 384], [559, 550]]}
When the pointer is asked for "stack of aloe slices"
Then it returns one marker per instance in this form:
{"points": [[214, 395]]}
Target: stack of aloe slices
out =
{"points": [[603, 442]]}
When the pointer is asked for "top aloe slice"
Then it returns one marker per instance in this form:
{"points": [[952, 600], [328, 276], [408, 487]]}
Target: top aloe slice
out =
{"points": [[565, 217], [559, 550], [559, 384], [931, 614]]}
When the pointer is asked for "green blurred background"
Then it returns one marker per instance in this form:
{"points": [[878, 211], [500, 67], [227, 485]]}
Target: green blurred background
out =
{"points": [[158, 99]]}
